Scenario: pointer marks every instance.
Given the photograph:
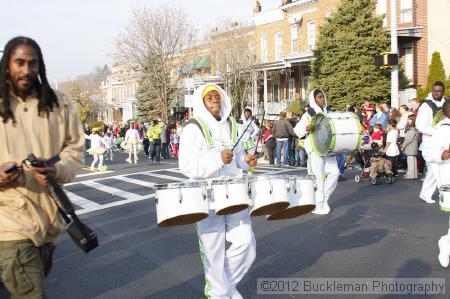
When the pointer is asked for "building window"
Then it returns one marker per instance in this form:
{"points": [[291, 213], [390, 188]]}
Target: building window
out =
{"points": [[406, 11], [294, 30], [291, 89], [263, 49], [251, 51], [277, 45], [409, 63], [311, 35], [381, 10], [275, 92]]}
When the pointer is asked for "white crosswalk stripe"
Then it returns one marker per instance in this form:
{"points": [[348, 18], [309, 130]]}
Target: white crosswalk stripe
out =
{"points": [[163, 176], [134, 181], [81, 201], [87, 205]]}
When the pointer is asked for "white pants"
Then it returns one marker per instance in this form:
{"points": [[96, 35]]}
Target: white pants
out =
{"points": [[412, 167], [97, 158], [132, 148], [224, 269], [430, 183], [326, 171]]}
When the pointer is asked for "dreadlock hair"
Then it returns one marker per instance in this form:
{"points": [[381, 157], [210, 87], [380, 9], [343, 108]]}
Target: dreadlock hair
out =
{"points": [[46, 95]]}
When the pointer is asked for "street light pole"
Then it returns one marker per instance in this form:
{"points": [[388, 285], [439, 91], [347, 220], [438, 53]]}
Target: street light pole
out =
{"points": [[394, 49]]}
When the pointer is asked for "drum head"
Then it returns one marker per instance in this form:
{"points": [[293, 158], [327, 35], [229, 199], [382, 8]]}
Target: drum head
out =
{"points": [[183, 219], [322, 134], [232, 209], [269, 209], [291, 212]]}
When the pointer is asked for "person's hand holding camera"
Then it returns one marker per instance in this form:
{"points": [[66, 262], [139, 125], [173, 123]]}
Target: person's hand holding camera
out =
{"points": [[9, 172], [40, 173]]}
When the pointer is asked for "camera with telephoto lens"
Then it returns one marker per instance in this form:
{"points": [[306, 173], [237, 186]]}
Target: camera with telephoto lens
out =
{"points": [[80, 233]]}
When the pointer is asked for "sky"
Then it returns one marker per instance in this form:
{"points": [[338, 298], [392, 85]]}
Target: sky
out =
{"points": [[77, 35]]}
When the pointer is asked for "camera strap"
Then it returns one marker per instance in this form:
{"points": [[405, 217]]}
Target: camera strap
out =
{"points": [[81, 234]]}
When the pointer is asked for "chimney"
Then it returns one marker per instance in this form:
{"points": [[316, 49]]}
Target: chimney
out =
{"points": [[284, 2], [257, 7]]}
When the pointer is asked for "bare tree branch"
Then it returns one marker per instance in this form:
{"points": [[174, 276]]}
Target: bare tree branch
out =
{"points": [[157, 42]]}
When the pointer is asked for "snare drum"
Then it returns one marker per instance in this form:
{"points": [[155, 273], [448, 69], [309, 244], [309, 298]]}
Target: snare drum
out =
{"points": [[444, 198], [335, 133], [230, 195], [301, 196], [181, 203], [269, 194]]}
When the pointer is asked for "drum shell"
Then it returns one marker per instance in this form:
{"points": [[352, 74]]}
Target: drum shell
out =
{"points": [[269, 195], [230, 197], [444, 198], [181, 205], [346, 133], [301, 197]]}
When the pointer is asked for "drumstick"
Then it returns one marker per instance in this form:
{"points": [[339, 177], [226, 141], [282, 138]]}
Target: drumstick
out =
{"points": [[237, 142]]}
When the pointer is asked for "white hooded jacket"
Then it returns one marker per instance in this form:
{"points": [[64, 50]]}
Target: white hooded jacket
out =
{"points": [[197, 160], [424, 120], [432, 152], [251, 132], [300, 128]]}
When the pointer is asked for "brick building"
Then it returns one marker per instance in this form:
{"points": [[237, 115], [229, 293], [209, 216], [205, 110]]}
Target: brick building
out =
{"points": [[119, 95]]}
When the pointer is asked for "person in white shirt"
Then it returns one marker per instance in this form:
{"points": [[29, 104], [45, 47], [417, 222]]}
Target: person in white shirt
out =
{"points": [[424, 123], [403, 122], [132, 142], [224, 266], [325, 169], [391, 148], [437, 153], [109, 140], [97, 149], [248, 140]]}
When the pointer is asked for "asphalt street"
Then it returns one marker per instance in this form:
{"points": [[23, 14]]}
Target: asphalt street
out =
{"points": [[381, 231]]}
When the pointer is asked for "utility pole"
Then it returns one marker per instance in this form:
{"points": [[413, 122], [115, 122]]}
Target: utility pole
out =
{"points": [[394, 49]]}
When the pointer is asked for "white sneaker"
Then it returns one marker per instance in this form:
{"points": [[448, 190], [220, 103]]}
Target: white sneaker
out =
{"points": [[318, 209], [444, 251], [128, 160], [236, 295], [326, 209], [427, 200]]}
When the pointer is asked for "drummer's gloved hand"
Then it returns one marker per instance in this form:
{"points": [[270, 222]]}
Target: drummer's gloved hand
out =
{"points": [[251, 160], [227, 156], [445, 155], [309, 128]]}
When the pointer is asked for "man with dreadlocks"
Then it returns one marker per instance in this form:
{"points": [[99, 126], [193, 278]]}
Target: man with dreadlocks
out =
{"points": [[33, 120]]}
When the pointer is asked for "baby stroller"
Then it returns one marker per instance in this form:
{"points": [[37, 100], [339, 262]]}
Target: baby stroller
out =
{"points": [[374, 166]]}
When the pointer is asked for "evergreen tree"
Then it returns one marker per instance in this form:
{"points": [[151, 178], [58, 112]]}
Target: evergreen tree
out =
{"points": [[344, 55], [436, 72], [447, 87]]}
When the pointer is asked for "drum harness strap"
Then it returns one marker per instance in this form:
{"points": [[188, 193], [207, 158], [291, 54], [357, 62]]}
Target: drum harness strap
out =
{"points": [[201, 124], [437, 111]]}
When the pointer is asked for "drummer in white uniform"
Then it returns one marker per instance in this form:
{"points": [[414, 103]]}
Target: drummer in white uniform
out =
{"points": [[199, 160], [424, 123], [437, 152], [325, 169]]}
